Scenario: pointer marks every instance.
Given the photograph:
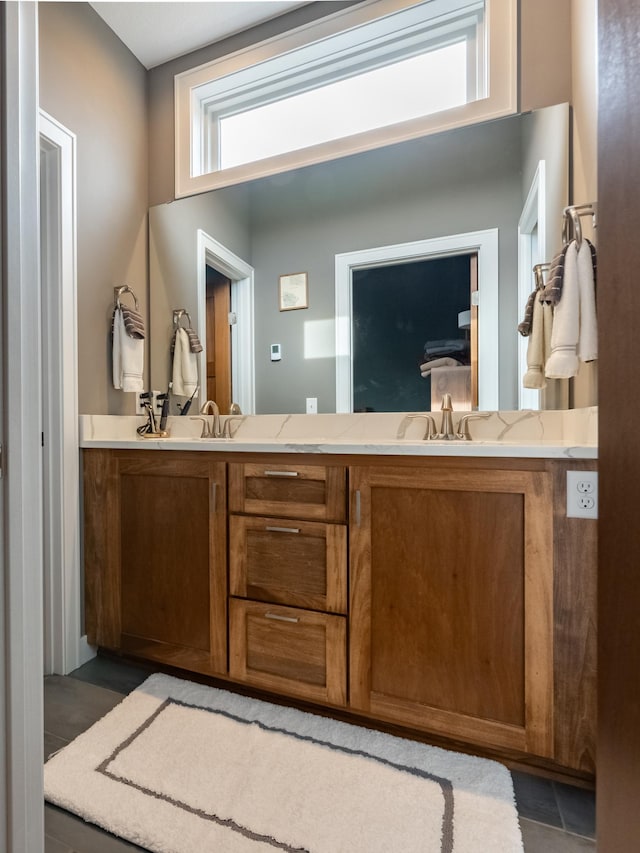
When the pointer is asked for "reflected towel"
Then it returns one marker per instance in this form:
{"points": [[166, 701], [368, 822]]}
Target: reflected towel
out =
{"points": [[185, 366], [539, 346], [127, 356]]}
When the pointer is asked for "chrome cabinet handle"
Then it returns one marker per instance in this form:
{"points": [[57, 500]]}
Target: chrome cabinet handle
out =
{"points": [[214, 493], [278, 618], [283, 529], [358, 511], [280, 473]]}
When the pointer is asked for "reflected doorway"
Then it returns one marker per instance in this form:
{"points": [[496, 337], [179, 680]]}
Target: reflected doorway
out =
{"points": [[219, 357], [413, 334]]}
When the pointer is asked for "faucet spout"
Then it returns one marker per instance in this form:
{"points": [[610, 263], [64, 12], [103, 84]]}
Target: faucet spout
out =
{"points": [[211, 408], [446, 427]]}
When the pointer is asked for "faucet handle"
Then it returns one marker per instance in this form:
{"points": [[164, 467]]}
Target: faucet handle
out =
{"points": [[430, 430], [463, 425], [206, 431]]}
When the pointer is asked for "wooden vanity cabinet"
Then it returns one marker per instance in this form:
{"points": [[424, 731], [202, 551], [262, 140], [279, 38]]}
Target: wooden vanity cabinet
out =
{"points": [[155, 548], [288, 579], [451, 603]]}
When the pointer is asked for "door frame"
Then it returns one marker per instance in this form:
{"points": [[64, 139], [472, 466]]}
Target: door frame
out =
{"points": [[533, 219], [485, 244], [64, 647], [214, 254], [21, 711]]}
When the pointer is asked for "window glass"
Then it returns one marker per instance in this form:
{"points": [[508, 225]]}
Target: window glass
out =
{"points": [[404, 90]]}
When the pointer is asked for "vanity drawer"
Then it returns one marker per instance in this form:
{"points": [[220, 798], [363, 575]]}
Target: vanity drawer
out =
{"points": [[315, 492], [287, 650], [302, 563]]}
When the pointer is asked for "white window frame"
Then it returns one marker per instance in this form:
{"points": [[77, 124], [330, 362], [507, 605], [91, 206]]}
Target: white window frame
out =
{"points": [[485, 244], [195, 145]]}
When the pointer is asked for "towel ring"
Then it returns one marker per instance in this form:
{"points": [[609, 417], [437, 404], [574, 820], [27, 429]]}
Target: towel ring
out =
{"points": [[178, 314], [538, 269], [118, 291], [571, 221]]}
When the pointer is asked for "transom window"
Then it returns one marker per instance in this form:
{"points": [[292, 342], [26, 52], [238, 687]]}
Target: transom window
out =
{"points": [[376, 74]]}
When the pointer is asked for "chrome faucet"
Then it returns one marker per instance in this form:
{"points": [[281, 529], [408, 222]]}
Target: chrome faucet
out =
{"points": [[430, 429]]}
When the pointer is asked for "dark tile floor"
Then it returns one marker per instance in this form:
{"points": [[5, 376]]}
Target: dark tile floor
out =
{"points": [[555, 818]]}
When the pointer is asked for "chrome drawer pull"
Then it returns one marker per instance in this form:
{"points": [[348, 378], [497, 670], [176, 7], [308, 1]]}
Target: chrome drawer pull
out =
{"points": [[279, 618], [280, 473], [283, 529]]}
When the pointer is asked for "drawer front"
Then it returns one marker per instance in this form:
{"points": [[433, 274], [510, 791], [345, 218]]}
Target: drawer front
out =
{"points": [[287, 650], [314, 492], [302, 563]]}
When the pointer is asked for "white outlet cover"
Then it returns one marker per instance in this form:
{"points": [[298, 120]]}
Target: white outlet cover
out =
{"points": [[582, 494]]}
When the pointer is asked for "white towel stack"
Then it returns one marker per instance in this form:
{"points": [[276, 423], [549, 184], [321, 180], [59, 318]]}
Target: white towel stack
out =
{"points": [[185, 366], [128, 356]]}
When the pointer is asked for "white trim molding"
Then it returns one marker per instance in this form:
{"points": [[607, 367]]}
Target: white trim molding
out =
{"points": [[213, 253], [532, 229], [22, 817], [62, 613], [485, 243], [497, 86]]}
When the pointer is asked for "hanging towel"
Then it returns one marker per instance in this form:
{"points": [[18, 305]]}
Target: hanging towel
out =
{"points": [[552, 291], [194, 340], [525, 327], [574, 336], [539, 346], [185, 366], [127, 356], [563, 361], [133, 322], [588, 340]]}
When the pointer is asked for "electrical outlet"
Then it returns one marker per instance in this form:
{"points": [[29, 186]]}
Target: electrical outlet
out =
{"points": [[140, 409], [312, 405], [582, 494]]}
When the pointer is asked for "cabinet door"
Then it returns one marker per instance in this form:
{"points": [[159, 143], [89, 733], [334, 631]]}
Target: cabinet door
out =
{"points": [[288, 650], [302, 563], [157, 589], [451, 603]]}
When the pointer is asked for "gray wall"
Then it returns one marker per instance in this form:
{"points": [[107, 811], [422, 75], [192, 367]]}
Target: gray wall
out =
{"points": [[92, 84], [173, 228], [465, 180], [161, 114]]}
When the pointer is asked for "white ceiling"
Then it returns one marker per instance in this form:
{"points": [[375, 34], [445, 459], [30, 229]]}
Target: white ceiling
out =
{"points": [[157, 32]]}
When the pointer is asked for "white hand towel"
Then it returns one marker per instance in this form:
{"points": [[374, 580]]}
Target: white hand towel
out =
{"points": [[588, 340], [185, 366], [534, 377], [127, 357], [563, 361]]}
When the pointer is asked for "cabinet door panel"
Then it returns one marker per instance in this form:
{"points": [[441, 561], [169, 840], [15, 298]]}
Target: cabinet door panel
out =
{"points": [[165, 559], [452, 607], [451, 603]]}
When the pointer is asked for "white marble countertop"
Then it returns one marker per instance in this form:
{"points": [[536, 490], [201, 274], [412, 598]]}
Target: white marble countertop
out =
{"points": [[558, 434]]}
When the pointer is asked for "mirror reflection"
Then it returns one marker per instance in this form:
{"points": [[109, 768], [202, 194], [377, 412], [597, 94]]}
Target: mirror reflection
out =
{"points": [[220, 257]]}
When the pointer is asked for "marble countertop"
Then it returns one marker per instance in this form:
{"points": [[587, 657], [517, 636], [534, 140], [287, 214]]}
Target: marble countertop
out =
{"points": [[559, 434]]}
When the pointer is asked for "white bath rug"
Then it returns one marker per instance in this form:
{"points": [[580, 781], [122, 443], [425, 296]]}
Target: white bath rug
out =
{"points": [[179, 767]]}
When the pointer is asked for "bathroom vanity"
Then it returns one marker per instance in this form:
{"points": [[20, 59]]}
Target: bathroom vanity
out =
{"points": [[435, 586]]}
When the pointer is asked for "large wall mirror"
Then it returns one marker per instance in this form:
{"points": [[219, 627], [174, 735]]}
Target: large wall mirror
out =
{"points": [[236, 253]]}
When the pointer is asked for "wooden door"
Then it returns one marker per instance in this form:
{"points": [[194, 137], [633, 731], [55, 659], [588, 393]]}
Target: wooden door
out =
{"points": [[451, 603], [218, 339], [155, 556]]}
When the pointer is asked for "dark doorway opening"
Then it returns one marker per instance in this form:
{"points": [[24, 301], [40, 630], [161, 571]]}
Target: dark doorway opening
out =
{"points": [[399, 309]]}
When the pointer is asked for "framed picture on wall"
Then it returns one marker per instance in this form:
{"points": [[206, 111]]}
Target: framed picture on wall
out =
{"points": [[293, 291]]}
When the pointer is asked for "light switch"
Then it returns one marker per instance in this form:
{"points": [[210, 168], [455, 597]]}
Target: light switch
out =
{"points": [[276, 354]]}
